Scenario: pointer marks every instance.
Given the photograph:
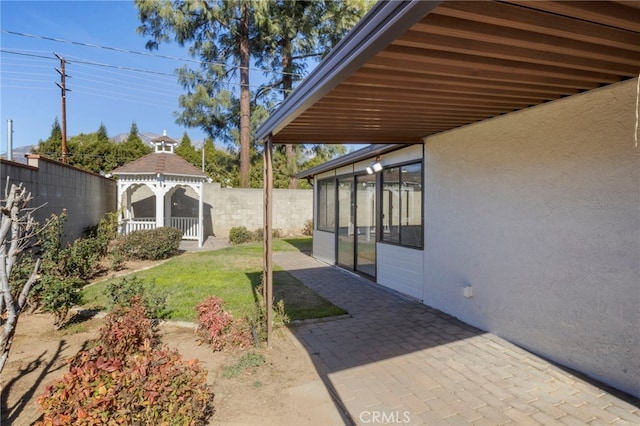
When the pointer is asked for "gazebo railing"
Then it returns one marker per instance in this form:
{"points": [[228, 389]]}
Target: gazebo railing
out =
{"points": [[137, 224], [188, 226]]}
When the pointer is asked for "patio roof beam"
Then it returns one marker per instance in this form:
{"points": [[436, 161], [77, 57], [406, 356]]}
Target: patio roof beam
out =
{"points": [[384, 22]]}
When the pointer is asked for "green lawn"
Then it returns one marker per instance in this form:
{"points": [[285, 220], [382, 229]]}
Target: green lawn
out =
{"points": [[232, 274]]}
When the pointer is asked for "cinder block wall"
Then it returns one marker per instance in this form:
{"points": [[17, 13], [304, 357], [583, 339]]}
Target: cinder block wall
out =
{"points": [[231, 207], [56, 186], [226, 208]]}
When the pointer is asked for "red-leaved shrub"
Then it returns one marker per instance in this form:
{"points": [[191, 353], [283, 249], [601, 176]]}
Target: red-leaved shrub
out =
{"points": [[127, 330], [218, 328], [127, 378]]}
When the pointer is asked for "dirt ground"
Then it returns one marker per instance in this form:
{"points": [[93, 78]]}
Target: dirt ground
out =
{"points": [[286, 390]]}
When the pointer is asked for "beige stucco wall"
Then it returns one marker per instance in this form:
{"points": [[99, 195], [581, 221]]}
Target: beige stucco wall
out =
{"points": [[539, 211]]}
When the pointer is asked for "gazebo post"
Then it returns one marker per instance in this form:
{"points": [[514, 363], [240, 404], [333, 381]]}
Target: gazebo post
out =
{"points": [[127, 213], [159, 202], [167, 207]]}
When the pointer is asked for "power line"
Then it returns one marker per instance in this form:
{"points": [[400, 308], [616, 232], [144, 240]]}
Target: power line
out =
{"points": [[126, 68], [133, 52], [25, 54], [39, 74], [137, 88], [92, 91]]}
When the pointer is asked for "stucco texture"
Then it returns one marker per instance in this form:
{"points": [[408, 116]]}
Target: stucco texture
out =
{"points": [[539, 211]]}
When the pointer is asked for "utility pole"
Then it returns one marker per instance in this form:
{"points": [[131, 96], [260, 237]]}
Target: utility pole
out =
{"points": [[63, 88]]}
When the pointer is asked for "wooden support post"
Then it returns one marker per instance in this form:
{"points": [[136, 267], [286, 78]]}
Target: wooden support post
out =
{"points": [[268, 243]]}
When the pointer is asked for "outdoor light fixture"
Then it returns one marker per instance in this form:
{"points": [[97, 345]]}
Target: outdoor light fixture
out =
{"points": [[374, 167]]}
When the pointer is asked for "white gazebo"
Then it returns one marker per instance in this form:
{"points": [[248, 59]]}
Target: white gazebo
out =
{"points": [[163, 173]]}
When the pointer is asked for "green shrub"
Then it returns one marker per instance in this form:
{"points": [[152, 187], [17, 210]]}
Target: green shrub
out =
{"points": [[120, 293], [308, 228], [63, 271], [259, 319], [152, 244], [116, 260], [104, 232], [125, 377], [258, 234], [81, 258], [59, 295], [239, 235], [21, 272]]}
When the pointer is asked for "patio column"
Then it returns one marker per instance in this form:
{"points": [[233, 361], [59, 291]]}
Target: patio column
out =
{"points": [[268, 243]]}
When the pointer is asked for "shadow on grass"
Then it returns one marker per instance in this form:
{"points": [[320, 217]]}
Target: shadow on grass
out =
{"points": [[304, 245], [300, 302]]}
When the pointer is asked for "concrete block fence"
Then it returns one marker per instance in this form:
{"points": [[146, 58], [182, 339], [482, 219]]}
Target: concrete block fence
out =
{"points": [[56, 186]]}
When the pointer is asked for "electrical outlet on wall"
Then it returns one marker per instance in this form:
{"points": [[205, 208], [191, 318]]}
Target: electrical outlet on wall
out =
{"points": [[467, 291]]}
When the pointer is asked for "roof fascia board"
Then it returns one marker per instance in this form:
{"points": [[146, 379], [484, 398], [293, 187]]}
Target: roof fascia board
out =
{"points": [[351, 158], [386, 21]]}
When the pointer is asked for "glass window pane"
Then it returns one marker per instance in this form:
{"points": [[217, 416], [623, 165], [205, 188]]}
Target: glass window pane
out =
{"points": [[411, 207], [326, 205], [391, 205]]}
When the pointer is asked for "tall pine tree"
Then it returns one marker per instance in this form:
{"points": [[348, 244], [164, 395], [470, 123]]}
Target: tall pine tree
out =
{"points": [[218, 33]]}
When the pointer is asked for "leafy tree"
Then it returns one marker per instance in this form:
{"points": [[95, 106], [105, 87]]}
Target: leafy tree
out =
{"points": [[187, 151], [132, 148], [52, 146], [221, 165], [291, 32], [94, 151], [225, 35], [219, 34]]}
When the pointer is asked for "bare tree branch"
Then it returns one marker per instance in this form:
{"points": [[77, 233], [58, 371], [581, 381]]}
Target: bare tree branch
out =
{"points": [[17, 230]]}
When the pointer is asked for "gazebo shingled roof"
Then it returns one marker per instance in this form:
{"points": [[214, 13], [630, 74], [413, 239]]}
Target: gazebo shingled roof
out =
{"points": [[160, 162]]}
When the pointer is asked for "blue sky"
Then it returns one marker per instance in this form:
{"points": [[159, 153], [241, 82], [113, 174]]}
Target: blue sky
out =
{"points": [[98, 94]]}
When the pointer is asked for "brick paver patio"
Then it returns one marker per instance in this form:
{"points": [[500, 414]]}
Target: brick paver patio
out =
{"points": [[397, 361]]}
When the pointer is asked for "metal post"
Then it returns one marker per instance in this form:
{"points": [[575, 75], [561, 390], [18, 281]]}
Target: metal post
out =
{"points": [[10, 140], [268, 243]]}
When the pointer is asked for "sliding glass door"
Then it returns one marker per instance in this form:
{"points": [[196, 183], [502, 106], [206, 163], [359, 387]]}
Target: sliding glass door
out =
{"points": [[345, 222], [356, 236]]}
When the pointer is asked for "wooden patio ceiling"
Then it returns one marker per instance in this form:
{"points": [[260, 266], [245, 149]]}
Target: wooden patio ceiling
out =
{"points": [[468, 61]]}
